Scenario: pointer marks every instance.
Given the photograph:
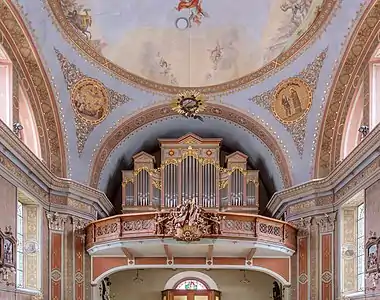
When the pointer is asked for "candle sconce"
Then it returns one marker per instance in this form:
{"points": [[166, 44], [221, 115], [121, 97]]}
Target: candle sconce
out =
{"points": [[7, 256]]}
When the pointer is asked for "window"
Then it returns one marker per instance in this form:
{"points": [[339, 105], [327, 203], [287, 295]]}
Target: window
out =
{"points": [[352, 240], [20, 246], [5, 88], [191, 284], [360, 247]]}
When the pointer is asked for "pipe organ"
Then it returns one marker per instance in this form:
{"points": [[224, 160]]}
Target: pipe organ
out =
{"points": [[190, 169]]}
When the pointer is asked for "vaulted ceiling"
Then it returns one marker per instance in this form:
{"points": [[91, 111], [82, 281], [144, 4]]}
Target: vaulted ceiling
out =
{"points": [[245, 57]]}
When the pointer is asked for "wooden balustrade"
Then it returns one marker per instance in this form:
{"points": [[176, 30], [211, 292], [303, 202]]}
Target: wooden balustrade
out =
{"points": [[232, 226]]}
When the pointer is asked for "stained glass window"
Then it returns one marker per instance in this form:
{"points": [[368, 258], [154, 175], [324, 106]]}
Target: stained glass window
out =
{"points": [[20, 246], [360, 247], [191, 284]]}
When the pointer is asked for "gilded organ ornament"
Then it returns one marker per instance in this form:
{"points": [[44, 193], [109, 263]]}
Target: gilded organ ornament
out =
{"points": [[90, 101], [292, 100]]}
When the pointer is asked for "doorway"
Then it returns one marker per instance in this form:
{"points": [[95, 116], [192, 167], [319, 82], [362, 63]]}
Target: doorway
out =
{"points": [[191, 289]]}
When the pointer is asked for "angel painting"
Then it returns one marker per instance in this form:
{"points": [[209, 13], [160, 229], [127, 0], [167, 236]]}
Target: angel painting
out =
{"points": [[195, 9]]}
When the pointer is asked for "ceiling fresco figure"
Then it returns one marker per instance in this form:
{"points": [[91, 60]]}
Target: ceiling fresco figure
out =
{"points": [[195, 9]]}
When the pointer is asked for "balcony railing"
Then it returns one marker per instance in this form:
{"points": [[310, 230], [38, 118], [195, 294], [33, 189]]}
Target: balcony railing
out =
{"points": [[229, 226]]}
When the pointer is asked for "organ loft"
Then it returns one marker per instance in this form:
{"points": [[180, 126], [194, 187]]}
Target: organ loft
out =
{"points": [[190, 167]]}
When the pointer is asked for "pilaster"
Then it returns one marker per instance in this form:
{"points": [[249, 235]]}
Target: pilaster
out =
{"points": [[326, 255], [303, 258], [56, 223]]}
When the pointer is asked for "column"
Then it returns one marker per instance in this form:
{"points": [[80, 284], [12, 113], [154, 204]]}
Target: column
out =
{"points": [[326, 255], [56, 223]]}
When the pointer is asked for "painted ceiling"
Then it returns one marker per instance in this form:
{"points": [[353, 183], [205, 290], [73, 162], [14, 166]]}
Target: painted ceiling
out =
{"points": [[240, 55], [186, 43]]}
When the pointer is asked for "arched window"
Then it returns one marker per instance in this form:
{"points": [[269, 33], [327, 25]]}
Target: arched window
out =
{"points": [[5, 88], [351, 134], [374, 105], [191, 284], [29, 133]]}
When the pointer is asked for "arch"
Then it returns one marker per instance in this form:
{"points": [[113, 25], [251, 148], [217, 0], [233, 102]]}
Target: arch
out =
{"points": [[113, 270], [29, 72], [173, 281], [354, 63], [130, 125]]}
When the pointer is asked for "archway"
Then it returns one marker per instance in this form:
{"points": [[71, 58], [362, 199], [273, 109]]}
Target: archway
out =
{"points": [[191, 285]]}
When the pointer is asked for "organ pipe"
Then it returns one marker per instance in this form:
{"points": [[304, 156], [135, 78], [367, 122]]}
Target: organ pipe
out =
{"points": [[190, 171]]}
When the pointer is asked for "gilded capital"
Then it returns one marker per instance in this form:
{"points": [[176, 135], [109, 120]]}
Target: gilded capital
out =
{"points": [[327, 222], [303, 225], [79, 224], [56, 221]]}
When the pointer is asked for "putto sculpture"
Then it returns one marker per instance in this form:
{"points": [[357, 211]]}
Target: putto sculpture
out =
{"points": [[188, 222]]}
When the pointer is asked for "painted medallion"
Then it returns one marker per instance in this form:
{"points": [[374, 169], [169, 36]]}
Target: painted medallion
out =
{"points": [[292, 100], [90, 100]]}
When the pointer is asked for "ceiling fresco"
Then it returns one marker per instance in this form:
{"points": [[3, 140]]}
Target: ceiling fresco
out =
{"points": [[191, 43], [269, 104]]}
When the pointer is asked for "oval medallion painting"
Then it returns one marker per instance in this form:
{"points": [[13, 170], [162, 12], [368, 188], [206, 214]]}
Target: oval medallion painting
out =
{"points": [[191, 43], [90, 100], [292, 100]]}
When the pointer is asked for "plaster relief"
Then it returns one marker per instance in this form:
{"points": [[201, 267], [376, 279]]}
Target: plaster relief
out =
{"points": [[291, 100]]}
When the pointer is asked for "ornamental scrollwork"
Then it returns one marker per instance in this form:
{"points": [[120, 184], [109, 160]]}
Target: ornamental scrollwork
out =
{"points": [[188, 222], [56, 221]]}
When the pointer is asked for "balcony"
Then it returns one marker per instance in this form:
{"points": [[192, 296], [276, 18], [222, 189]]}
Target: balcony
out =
{"points": [[190, 224]]}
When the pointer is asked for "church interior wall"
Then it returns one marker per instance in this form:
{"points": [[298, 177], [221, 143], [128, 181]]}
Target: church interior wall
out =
{"points": [[228, 281]]}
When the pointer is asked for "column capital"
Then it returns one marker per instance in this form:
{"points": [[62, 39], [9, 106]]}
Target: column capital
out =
{"points": [[56, 221], [303, 225], [326, 222]]}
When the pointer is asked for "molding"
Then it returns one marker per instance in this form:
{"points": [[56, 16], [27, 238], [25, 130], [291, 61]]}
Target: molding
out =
{"points": [[23, 169], [355, 60], [30, 70], [202, 267], [159, 112], [358, 171]]}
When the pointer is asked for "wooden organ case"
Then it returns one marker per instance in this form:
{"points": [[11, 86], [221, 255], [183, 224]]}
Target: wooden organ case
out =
{"points": [[190, 169]]}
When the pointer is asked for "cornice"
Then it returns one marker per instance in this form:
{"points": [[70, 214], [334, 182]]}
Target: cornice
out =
{"points": [[16, 158], [364, 158]]}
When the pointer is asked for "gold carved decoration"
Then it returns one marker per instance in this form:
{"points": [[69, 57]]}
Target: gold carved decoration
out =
{"points": [[189, 104], [188, 222], [292, 100], [89, 98]]}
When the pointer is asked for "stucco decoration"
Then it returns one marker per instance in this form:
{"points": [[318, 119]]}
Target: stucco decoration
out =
{"points": [[361, 47], [308, 78], [30, 72], [145, 118], [84, 126], [180, 43]]}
